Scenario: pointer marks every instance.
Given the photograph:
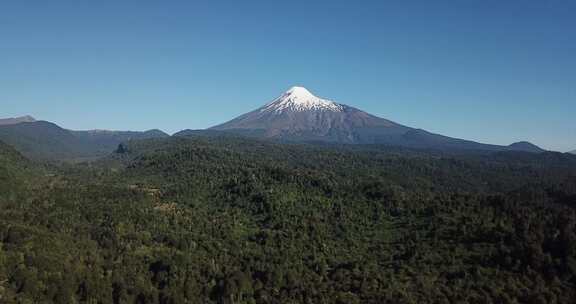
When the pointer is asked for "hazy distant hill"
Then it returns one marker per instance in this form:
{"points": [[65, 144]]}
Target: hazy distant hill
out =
{"points": [[15, 120], [106, 141], [298, 115], [525, 146], [46, 140]]}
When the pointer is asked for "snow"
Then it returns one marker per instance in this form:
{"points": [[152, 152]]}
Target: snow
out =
{"points": [[300, 99]]}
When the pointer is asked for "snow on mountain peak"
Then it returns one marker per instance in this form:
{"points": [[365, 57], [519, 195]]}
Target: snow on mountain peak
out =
{"points": [[300, 92], [300, 99]]}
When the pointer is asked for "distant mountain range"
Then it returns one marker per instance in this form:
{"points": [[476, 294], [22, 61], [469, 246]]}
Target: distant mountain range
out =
{"points": [[295, 116], [46, 140], [298, 115], [572, 152]]}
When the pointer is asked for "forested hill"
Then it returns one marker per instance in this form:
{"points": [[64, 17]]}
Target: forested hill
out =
{"points": [[408, 168], [9, 154], [13, 170], [47, 141], [8, 159], [232, 220]]}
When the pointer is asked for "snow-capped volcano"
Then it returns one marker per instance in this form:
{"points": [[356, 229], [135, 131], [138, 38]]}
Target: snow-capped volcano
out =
{"points": [[298, 115], [300, 99]]}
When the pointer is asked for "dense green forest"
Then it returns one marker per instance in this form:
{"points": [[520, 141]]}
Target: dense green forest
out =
{"points": [[232, 220]]}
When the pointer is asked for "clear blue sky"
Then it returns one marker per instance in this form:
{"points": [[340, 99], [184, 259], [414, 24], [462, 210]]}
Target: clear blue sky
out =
{"points": [[488, 70]]}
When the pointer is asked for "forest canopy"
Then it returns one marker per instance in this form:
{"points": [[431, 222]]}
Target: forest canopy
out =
{"points": [[233, 220]]}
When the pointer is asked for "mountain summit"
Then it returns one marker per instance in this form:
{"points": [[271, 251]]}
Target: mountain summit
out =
{"points": [[300, 99], [298, 115]]}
